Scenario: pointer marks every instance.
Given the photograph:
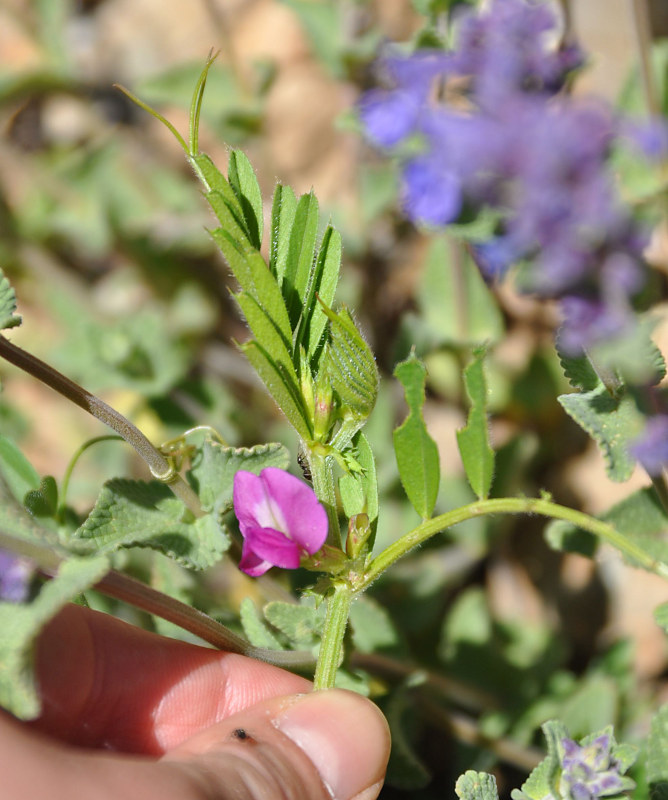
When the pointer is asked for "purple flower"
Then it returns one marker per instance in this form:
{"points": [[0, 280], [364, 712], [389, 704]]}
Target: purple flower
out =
{"points": [[15, 574], [280, 519], [590, 771], [651, 447]]}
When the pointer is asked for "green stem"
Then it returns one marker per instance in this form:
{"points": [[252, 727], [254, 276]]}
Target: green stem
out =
{"points": [[65, 484], [508, 505], [329, 657], [160, 467]]}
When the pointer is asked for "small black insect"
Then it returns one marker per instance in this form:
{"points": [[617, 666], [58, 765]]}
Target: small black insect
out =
{"points": [[241, 734], [303, 463]]}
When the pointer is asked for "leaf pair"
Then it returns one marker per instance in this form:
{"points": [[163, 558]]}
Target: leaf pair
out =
{"points": [[417, 453]]}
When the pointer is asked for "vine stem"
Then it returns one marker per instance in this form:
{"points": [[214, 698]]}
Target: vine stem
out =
{"points": [[331, 643], [508, 505], [146, 598], [160, 467]]}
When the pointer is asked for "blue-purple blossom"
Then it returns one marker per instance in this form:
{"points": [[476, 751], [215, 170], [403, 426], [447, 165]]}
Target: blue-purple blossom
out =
{"points": [[590, 771], [651, 447], [15, 574], [280, 519], [512, 144]]}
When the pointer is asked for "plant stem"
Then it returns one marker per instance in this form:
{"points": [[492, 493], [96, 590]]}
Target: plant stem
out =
{"points": [[146, 598], [329, 657], [156, 461], [509, 505]]}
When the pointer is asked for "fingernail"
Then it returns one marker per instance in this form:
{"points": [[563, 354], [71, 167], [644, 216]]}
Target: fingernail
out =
{"points": [[345, 736]]}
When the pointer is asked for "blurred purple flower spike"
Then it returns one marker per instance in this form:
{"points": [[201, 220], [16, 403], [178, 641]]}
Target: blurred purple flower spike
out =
{"points": [[280, 519], [15, 574], [651, 447]]}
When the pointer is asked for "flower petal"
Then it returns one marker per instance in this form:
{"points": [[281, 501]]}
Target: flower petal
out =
{"points": [[305, 517], [252, 503], [273, 546]]}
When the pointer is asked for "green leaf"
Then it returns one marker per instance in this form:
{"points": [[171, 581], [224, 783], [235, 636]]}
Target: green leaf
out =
{"points": [[453, 298], [640, 517], [21, 624], [280, 386], [543, 781], [302, 624], [17, 471], [415, 450], [43, 502], [301, 252], [256, 630], [283, 211], [476, 786], [322, 283], [8, 317], [473, 440], [372, 627], [244, 183], [266, 332], [214, 181], [657, 747], [214, 466], [359, 490], [146, 514], [613, 422], [351, 366]]}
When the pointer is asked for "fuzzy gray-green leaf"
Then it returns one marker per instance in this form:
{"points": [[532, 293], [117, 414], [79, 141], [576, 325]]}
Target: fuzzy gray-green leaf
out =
{"points": [[214, 466], [476, 786], [131, 513], [613, 422], [21, 624]]}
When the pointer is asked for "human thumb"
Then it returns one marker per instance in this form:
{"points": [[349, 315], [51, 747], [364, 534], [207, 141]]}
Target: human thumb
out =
{"points": [[317, 746]]}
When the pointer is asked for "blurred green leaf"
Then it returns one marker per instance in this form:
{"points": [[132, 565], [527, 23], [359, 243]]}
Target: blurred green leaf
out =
{"points": [[302, 623], [8, 317], [657, 747], [453, 298], [256, 630], [473, 440], [21, 624], [640, 517], [18, 472], [416, 452]]}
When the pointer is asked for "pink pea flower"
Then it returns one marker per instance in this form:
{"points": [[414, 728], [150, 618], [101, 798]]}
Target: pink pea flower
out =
{"points": [[280, 519]]}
